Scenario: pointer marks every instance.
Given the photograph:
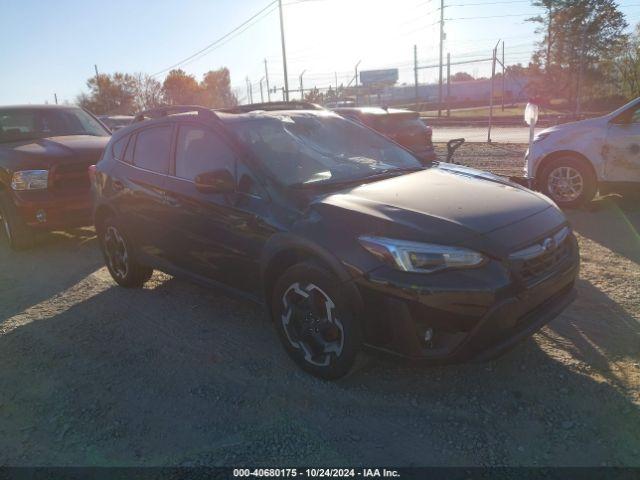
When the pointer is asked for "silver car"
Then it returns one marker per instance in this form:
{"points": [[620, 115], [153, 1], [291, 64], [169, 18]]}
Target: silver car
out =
{"points": [[572, 162]]}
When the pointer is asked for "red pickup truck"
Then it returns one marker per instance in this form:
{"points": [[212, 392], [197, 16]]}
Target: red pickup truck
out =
{"points": [[45, 154]]}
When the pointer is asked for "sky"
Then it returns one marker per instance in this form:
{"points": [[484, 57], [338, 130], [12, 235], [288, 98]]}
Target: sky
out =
{"points": [[52, 46]]}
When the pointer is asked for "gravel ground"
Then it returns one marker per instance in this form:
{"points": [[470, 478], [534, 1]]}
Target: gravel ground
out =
{"points": [[175, 374]]}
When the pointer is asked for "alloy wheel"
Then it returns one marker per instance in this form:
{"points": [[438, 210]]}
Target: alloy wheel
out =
{"points": [[310, 323], [565, 184], [116, 252]]}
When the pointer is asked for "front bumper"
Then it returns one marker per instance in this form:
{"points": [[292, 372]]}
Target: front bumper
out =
{"points": [[49, 210], [474, 315]]}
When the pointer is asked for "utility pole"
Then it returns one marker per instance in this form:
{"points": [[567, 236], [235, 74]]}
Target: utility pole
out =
{"points": [[548, 59], [448, 84], [301, 87], [504, 76], [336, 76], [493, 74], [356, 69], [415, 72], [266, 76], [95, 67], [441, 49], [55, 97], [249, 92], [581, 70], [284, 55], [261, 94]]}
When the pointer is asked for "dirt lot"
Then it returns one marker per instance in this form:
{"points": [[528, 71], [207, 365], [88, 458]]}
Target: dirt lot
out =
{"points": [[174, 374]]}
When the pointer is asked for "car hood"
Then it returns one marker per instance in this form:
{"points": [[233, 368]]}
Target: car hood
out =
{"points": [[582, 125], [46, 152], [445, 204]]}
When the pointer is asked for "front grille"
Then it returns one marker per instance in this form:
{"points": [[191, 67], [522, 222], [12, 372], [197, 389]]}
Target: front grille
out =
{"points": [[70, 176], [542, 259]]}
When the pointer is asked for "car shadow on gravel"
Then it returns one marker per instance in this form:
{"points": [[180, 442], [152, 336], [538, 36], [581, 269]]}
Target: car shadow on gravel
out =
{"points": [[58, 262], [176, 374], [612, 221]]}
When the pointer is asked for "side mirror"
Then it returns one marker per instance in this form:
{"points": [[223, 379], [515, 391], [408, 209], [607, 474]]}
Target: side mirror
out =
{"points": [[217, 181]]}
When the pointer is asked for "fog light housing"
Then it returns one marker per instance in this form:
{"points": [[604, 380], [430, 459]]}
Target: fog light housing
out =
{"points": [[41, 216]]}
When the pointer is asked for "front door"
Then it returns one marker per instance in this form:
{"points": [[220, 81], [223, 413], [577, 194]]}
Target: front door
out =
{"points": [[622, 150], [208, 228]]}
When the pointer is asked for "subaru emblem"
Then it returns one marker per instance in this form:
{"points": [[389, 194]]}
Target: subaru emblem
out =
{"points": [[549, 244]]}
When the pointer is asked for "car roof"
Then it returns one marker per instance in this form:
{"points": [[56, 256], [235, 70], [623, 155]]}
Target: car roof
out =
{"points": [[258, 114], [377, 111], [39, 107], [218, 115]]}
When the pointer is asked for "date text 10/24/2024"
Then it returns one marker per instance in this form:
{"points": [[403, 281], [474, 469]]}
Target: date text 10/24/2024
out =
{"points": [[316, 472]]}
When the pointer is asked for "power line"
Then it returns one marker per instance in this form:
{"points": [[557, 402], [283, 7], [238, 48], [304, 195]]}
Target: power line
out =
{"points": [[217, 41], [493, 16]]}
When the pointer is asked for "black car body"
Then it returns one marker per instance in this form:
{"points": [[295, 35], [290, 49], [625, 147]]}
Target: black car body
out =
{"points": [[402, 126], [437, 262], [45, 153]]}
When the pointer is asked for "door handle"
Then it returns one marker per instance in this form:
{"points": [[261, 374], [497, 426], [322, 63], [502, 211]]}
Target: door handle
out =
{"points": [[172, 200]]}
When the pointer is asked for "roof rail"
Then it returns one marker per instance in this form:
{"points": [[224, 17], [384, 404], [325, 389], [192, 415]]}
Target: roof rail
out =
{"points": [[173, 110], [272, 106]]}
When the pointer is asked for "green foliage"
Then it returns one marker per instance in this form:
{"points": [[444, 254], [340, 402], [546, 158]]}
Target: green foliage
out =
{"points": [[110, 94], [578, 36], [461, 77], [124, 93], [629, 66]]}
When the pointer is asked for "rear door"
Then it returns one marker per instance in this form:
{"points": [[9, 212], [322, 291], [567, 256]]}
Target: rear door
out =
{"points": [[622, 150], [147, 164]]}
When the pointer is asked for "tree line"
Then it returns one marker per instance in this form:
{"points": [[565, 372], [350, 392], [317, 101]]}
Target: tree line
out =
{"points": [[125, 93], [584, 52]]}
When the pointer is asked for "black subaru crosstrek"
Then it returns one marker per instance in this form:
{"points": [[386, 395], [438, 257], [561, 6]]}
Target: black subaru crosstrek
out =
{"points": [[346, 237]]}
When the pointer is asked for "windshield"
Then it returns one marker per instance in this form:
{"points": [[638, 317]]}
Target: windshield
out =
{"points": [[307, 149], [29, 124]]}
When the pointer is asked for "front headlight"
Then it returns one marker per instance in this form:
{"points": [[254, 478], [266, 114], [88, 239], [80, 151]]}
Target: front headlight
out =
{"points": [[420, 257], [30, 180]]}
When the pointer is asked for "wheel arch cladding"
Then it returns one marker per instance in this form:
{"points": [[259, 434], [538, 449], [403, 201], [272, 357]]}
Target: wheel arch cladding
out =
{"points": [[102, 213], [284, 251], [546, 161]]}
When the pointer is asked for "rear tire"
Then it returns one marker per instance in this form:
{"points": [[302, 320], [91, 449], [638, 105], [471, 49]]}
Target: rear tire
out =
{"points": [[119, 256], [568, 181], [19, 236], [317, 327]]}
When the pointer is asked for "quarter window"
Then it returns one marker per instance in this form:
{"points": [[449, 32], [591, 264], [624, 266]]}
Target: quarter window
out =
{"points": [[152, 149], [199, 151], [119, 148]]}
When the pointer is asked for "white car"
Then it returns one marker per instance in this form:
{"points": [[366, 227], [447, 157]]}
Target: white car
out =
{"points": [[573, 161]]}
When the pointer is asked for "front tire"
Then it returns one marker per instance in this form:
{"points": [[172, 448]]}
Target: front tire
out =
{"points": [[19, 236], [119, 256], [568, 181], [317, 327]]}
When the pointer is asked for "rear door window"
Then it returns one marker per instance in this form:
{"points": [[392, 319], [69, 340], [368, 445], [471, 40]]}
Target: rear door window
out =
{"points": [[199, 150], [153, 149]]}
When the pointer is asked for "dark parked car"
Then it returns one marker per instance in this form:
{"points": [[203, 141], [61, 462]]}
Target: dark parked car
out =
{"points": [[45, 152], [346, 237], [116, 122], [402, 126]]}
